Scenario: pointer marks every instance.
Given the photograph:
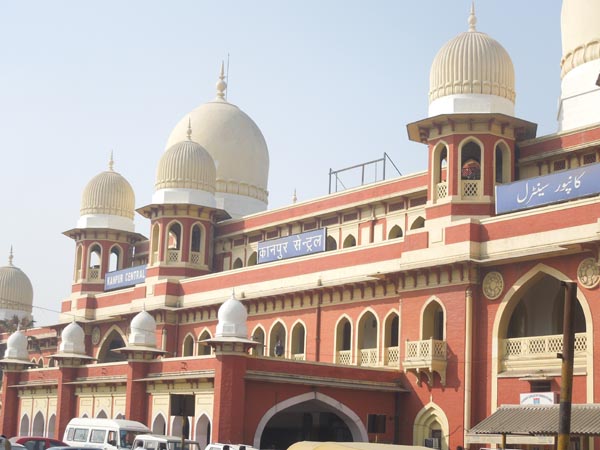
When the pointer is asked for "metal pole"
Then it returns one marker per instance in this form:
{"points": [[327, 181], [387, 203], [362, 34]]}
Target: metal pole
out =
{"points": [[566, 385]]}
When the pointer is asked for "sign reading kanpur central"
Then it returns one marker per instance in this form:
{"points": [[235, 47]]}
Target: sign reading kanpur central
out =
{"points": [[124, 278]]}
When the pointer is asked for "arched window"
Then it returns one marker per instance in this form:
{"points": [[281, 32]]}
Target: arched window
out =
{"points": [[24, 428], [252, 259], [390, 340], [114, 262], [419, 222], [277, 339], [174, 243], [203, 349], [196, 245], [433, 322], [368, 327], [330, 243], [395, 232], [188, 346], [95, 261], [101, 415], [38, 424], [159, 425], [40, 363], [238, 264], [502, 163], [343, 342], [79, 262], [297, 345], [259, 337], [111, 342], [350, 241], [470, 162], [203, 431], [51, 425], [155, 242]]}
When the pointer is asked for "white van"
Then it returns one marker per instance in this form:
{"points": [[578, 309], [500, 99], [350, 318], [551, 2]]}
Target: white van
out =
{"points": [[159, 442], [107, 434]]}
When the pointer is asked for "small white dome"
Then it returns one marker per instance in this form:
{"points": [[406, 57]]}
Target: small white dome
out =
{"points": [[232, 317], [108, 193], [16, 291], [143, 330], [72, 339], [237, 147], [580, 33], [476, 71], [16, 347]]}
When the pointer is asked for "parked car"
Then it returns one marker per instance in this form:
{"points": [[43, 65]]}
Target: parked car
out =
{"points": [[36, 442], [159, 442], [218, 446], [108, 434], [68, 447]]}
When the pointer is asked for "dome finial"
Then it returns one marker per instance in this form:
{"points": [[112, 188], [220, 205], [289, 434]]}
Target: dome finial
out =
{"points": [[221, 84], [10, 256], [111, 162], [472, 17], [294, 197], [189, 130]]}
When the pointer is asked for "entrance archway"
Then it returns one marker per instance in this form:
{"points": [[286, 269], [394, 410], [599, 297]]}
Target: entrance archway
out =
{"points": [[312, 416]]}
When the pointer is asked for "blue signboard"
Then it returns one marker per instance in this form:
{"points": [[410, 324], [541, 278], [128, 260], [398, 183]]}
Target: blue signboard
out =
{"points": [[547, 189], [292, 246], [124, 278]]}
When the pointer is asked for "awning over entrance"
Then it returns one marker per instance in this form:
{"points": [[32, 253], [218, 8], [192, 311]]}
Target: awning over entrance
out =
{"points": [[309, 445], [536, 420]]}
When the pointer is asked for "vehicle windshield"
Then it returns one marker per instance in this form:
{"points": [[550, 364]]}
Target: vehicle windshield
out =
{"points": [[126, 438]]}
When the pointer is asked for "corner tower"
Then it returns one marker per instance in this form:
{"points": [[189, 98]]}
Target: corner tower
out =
{"points": [[471, 129]]}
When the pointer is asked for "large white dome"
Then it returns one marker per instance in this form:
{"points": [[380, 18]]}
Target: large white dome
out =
{"points": [[108, 201], [16, 292], [472, 73], [238, 149]]}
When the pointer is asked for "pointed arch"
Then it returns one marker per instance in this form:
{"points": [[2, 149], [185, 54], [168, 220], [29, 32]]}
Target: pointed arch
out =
{"points": [[101, 415], [278, 339], [252, 260], [51, 426], [502, 162], [197, 246], [343, 340], [204, 350], [298, 340], [174, 241], [439, 180], [115, 261], [330, 243], [113, 338], [431, 422], [391, 333], [238, 263], [395, 232], [155, 244], [258, 335], [187, 349], [120, 416], [419, 222], [367, 338], [24, 425], [351, 419], [203, 430], [78, 263], [94, 261], [349, 241], [433, 319], [37, 428], [507, 304], [159, 425]]}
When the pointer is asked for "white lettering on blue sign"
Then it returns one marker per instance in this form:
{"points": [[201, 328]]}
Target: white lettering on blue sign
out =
{"points": [[291, 246], [124, 278]]}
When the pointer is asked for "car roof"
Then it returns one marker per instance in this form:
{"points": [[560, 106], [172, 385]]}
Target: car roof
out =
{"points": [[161, 438]]}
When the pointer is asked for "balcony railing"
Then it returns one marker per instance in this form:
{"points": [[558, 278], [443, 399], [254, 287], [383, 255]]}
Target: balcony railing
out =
{"points": [[539, 352], [93, 274], [344, 357], [173, 256], [195, 257], [426, 357], [471, 188], [442, 190], [368, 357], [392, 357], [298, 356]]}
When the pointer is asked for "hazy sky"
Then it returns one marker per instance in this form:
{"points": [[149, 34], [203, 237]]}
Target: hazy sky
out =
{"points": [[330, 83]]}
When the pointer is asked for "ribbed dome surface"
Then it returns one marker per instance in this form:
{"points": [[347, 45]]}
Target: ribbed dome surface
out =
{"points": [[235, 143], [16, 292], [186, 165], [108, 193], [580, 31], [72, 339], [472, 63]]}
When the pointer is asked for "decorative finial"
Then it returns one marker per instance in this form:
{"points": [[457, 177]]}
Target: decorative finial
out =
{"points": [[10, 256], [472, 18], [189, 130], [111, 162], [232, 292], [221, 84], [294, 197]]}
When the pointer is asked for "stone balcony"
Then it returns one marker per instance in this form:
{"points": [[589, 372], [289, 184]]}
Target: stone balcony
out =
{"points": [[426, 357]]}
